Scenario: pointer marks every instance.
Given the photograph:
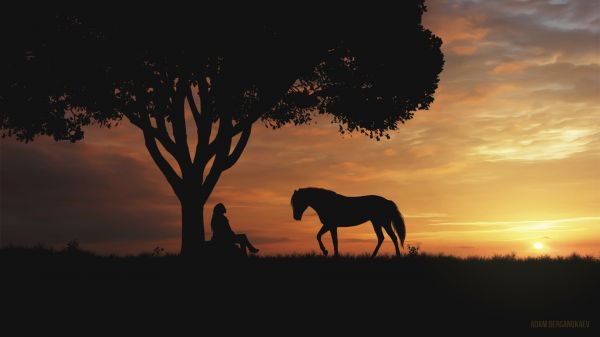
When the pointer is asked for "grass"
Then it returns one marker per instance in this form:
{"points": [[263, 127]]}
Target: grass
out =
{"points": [[39, 261], [500, 291]]}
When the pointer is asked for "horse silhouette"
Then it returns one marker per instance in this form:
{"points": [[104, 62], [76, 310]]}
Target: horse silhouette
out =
{"points": [[335, 210]]}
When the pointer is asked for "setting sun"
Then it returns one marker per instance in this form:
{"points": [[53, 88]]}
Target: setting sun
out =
{"points": [[538, 245]]}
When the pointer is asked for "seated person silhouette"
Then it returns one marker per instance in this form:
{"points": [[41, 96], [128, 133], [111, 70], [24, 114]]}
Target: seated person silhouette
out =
{"points": [[222, 232]]}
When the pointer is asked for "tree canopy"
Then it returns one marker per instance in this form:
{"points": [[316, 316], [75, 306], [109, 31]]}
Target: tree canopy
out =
{"points": [[368, 67]]}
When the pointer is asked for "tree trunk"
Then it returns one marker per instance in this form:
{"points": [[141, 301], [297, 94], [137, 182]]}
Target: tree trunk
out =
{"points": [[192, 218]]}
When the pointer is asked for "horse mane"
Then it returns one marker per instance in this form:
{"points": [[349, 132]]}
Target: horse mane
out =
{"points": [[320, 191], [315, 193]]}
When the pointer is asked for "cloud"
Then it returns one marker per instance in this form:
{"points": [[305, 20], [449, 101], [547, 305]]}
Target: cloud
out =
{"points": [[268, 240], [568, 31], [513, 134], [492, 234], [389, 152], [518, 222], [55, 192], [461, 34], [542, 145], [510, 67], [426, 215]]}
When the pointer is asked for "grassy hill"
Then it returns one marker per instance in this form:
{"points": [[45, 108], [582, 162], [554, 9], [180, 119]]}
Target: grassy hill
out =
{"points": [[348, 293]]}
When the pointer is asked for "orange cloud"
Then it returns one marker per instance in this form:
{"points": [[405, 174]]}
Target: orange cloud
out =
{"points": [[510, 67], [461, 35]]}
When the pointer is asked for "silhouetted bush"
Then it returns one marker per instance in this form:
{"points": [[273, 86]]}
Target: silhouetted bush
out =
{"points": [[413, 250], [158, 251], [72, 247]]}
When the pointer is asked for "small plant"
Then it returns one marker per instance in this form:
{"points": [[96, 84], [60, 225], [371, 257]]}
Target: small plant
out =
{"points": [[158, 251], [413, 250], [73, 246]]}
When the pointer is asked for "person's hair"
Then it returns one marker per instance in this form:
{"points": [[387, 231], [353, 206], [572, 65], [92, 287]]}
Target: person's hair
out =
{"points": [[219, 209]]}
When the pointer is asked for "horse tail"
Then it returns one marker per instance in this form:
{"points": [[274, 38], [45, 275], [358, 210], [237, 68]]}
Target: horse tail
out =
{"points": [[398, 222]]}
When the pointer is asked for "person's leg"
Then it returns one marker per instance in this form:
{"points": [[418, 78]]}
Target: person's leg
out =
{"points": [[242, 239]]}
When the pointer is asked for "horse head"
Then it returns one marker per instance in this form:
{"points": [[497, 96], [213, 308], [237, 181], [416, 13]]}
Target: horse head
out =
{"points": [[299, 204]]}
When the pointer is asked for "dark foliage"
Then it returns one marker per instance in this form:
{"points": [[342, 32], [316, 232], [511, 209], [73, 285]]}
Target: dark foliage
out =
{"points": [[370, 67], [67, 66]]}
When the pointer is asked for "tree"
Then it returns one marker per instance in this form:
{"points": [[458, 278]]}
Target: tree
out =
{"points": [[65, 68]]}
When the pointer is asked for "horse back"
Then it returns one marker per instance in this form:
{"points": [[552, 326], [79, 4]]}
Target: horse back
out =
{"points": [[374, 201], [352, 211]]}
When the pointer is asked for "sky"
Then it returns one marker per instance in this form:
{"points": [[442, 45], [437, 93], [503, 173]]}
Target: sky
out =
{"points": [[506, 159]]}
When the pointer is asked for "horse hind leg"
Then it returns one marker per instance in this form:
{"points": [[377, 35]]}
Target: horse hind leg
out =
{"points": [[392, 235], [379, 233], [322, 231]]}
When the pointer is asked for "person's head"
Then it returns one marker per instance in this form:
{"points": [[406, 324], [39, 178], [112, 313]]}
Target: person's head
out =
{"points": [[219, 209]]}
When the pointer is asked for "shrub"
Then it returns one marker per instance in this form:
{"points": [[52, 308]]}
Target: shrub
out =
{"points": [[73, 247], [413, 250]]}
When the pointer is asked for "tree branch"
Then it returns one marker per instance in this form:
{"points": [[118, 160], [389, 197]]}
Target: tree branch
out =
{"points": [[193, 107], [221, 146], [239, 148], [162, 135], [164, 166], [203, 120], [179, 129], [162, 163]]}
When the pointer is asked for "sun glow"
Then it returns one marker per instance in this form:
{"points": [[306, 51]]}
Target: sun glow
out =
{"points": [[538, 245]]}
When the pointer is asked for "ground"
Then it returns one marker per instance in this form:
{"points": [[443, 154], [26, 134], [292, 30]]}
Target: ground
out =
{"points": [[79, 293]]}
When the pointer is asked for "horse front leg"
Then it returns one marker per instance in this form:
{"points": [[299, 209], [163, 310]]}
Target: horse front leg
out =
{"points": [[322, 231], [333, 231]]}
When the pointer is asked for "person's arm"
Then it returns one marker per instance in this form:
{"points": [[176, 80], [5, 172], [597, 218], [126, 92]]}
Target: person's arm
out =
{"points": [[227, 227]]}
